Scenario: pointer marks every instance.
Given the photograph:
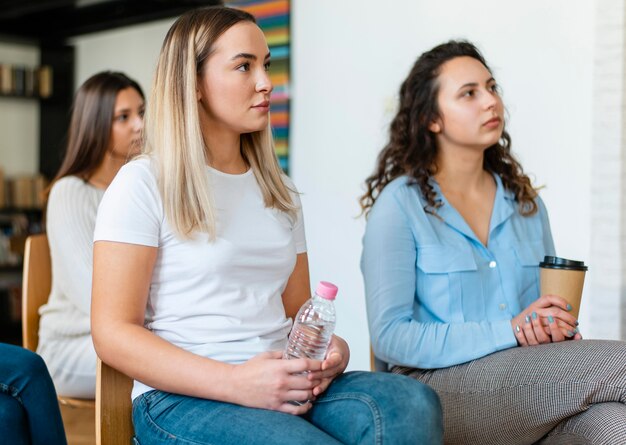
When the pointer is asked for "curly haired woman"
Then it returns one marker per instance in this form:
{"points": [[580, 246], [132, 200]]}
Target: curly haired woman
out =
{"points": [[454, 237]]}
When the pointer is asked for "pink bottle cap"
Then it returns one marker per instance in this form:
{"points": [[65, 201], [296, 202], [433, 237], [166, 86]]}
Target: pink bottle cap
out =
{"points": [[326, 290]]}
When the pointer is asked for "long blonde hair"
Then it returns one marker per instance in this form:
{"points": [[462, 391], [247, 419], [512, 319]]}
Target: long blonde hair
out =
{"points": [[172, 127]]}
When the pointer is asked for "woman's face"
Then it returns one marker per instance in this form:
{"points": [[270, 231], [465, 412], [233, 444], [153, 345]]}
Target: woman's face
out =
{"points": [[471, 113], [127, 124], [234, 86]]}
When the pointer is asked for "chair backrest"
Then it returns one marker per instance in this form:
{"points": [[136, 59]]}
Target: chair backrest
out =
{"points": [[377, 364], [36, 283], [114, 424]]}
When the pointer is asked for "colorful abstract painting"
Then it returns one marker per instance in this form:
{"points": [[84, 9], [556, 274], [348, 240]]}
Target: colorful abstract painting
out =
{"points": [[273, 18]]}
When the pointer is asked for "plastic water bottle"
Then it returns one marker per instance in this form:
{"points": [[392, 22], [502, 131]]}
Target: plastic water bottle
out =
{"points": [[314, 325]]}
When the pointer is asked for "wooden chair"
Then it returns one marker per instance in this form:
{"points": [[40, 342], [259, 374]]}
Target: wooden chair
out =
{"points": [[114, 425], [36, 284], [377, 364]]}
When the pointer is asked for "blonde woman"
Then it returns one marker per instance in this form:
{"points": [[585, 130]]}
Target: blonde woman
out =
{"points": [[200, 261]]}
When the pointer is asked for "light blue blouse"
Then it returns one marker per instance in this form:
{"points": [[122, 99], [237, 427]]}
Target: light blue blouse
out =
{"points": [[436, 296]]}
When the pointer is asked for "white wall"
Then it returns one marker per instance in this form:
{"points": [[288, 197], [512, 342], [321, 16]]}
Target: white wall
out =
{"points": [[19, 118], [607, 277], [133, 50], [349, 58]]}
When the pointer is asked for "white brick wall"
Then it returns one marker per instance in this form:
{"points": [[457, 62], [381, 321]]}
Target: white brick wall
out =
{"points": [[606, 278]]}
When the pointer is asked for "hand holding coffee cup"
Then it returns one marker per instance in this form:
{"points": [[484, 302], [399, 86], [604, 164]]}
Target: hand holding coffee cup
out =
{"points": [[545, 320], [565, 278]]}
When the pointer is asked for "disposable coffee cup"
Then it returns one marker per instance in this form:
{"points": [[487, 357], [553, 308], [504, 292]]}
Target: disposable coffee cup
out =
{"points": [[563, 277]]}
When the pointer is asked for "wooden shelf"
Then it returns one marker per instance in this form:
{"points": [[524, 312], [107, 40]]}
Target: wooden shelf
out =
{"points": [[11, 267], [10, 210], [19, 96]]}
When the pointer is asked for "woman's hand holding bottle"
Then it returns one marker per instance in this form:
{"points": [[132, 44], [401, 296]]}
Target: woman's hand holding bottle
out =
{"points": [[266, 381], [334, 364]]}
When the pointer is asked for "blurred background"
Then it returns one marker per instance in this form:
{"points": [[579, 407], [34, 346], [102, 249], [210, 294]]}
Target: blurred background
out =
{"points": [[560, 64]]}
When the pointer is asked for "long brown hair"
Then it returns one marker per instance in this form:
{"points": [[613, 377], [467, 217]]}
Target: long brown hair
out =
{"points": [[412, 147], [89, 132]]}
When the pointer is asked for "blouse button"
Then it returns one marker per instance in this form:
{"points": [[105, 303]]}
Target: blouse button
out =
{"points": [[492, 264], [502, 306]]}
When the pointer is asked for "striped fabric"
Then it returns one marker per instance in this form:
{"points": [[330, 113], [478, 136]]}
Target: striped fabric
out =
{"points": [[602, 423], [273, 18], [572, 392]]}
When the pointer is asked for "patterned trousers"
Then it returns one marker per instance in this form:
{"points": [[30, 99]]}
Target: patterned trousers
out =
{"points": [[568, 393]]}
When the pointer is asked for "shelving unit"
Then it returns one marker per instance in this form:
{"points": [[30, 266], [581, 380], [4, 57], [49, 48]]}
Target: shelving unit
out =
{"points": [[53, 109], [54, 104], [15, 225], [48, 25], [22, 81]]}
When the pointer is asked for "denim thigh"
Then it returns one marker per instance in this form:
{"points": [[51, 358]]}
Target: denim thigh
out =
{"points": [[378, 408], [28, 393], [357, 408], [164, 418]]}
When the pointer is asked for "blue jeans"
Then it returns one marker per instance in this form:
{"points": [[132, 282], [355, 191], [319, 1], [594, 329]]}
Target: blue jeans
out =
{"points": [[357, 408], [29, 410]]}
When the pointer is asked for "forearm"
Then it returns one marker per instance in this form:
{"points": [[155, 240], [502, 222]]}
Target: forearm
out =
{"points": [[434, 345], [158, 363]]}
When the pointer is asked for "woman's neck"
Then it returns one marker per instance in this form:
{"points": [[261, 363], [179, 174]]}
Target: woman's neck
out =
{"points": [[468, 188], [461, 172], [224, 153], [103, 175]]}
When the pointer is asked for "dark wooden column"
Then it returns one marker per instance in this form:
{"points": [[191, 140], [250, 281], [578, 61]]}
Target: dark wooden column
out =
{"points": [[54, 111]]}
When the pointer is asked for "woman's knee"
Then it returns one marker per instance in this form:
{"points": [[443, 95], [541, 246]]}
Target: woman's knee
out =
{"points": [[393, 390], [20, 358], [414, 413], [420, 398], [35, 366], [23, 369], [428, 398], [408, 407]]}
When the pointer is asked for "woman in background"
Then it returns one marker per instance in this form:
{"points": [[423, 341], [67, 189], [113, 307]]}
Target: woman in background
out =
{"points": [[454, 237], [104, 133], [200, 262]]}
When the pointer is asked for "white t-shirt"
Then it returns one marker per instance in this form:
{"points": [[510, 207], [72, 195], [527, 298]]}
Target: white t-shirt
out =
{"points": [[219, 299]]}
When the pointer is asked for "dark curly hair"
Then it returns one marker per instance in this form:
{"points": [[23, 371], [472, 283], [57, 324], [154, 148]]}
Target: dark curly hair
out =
{"points": [[412, 147]]}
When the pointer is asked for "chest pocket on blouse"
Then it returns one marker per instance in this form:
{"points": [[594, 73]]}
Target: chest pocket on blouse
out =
{"points": [[444, 273], [529, 255]]}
